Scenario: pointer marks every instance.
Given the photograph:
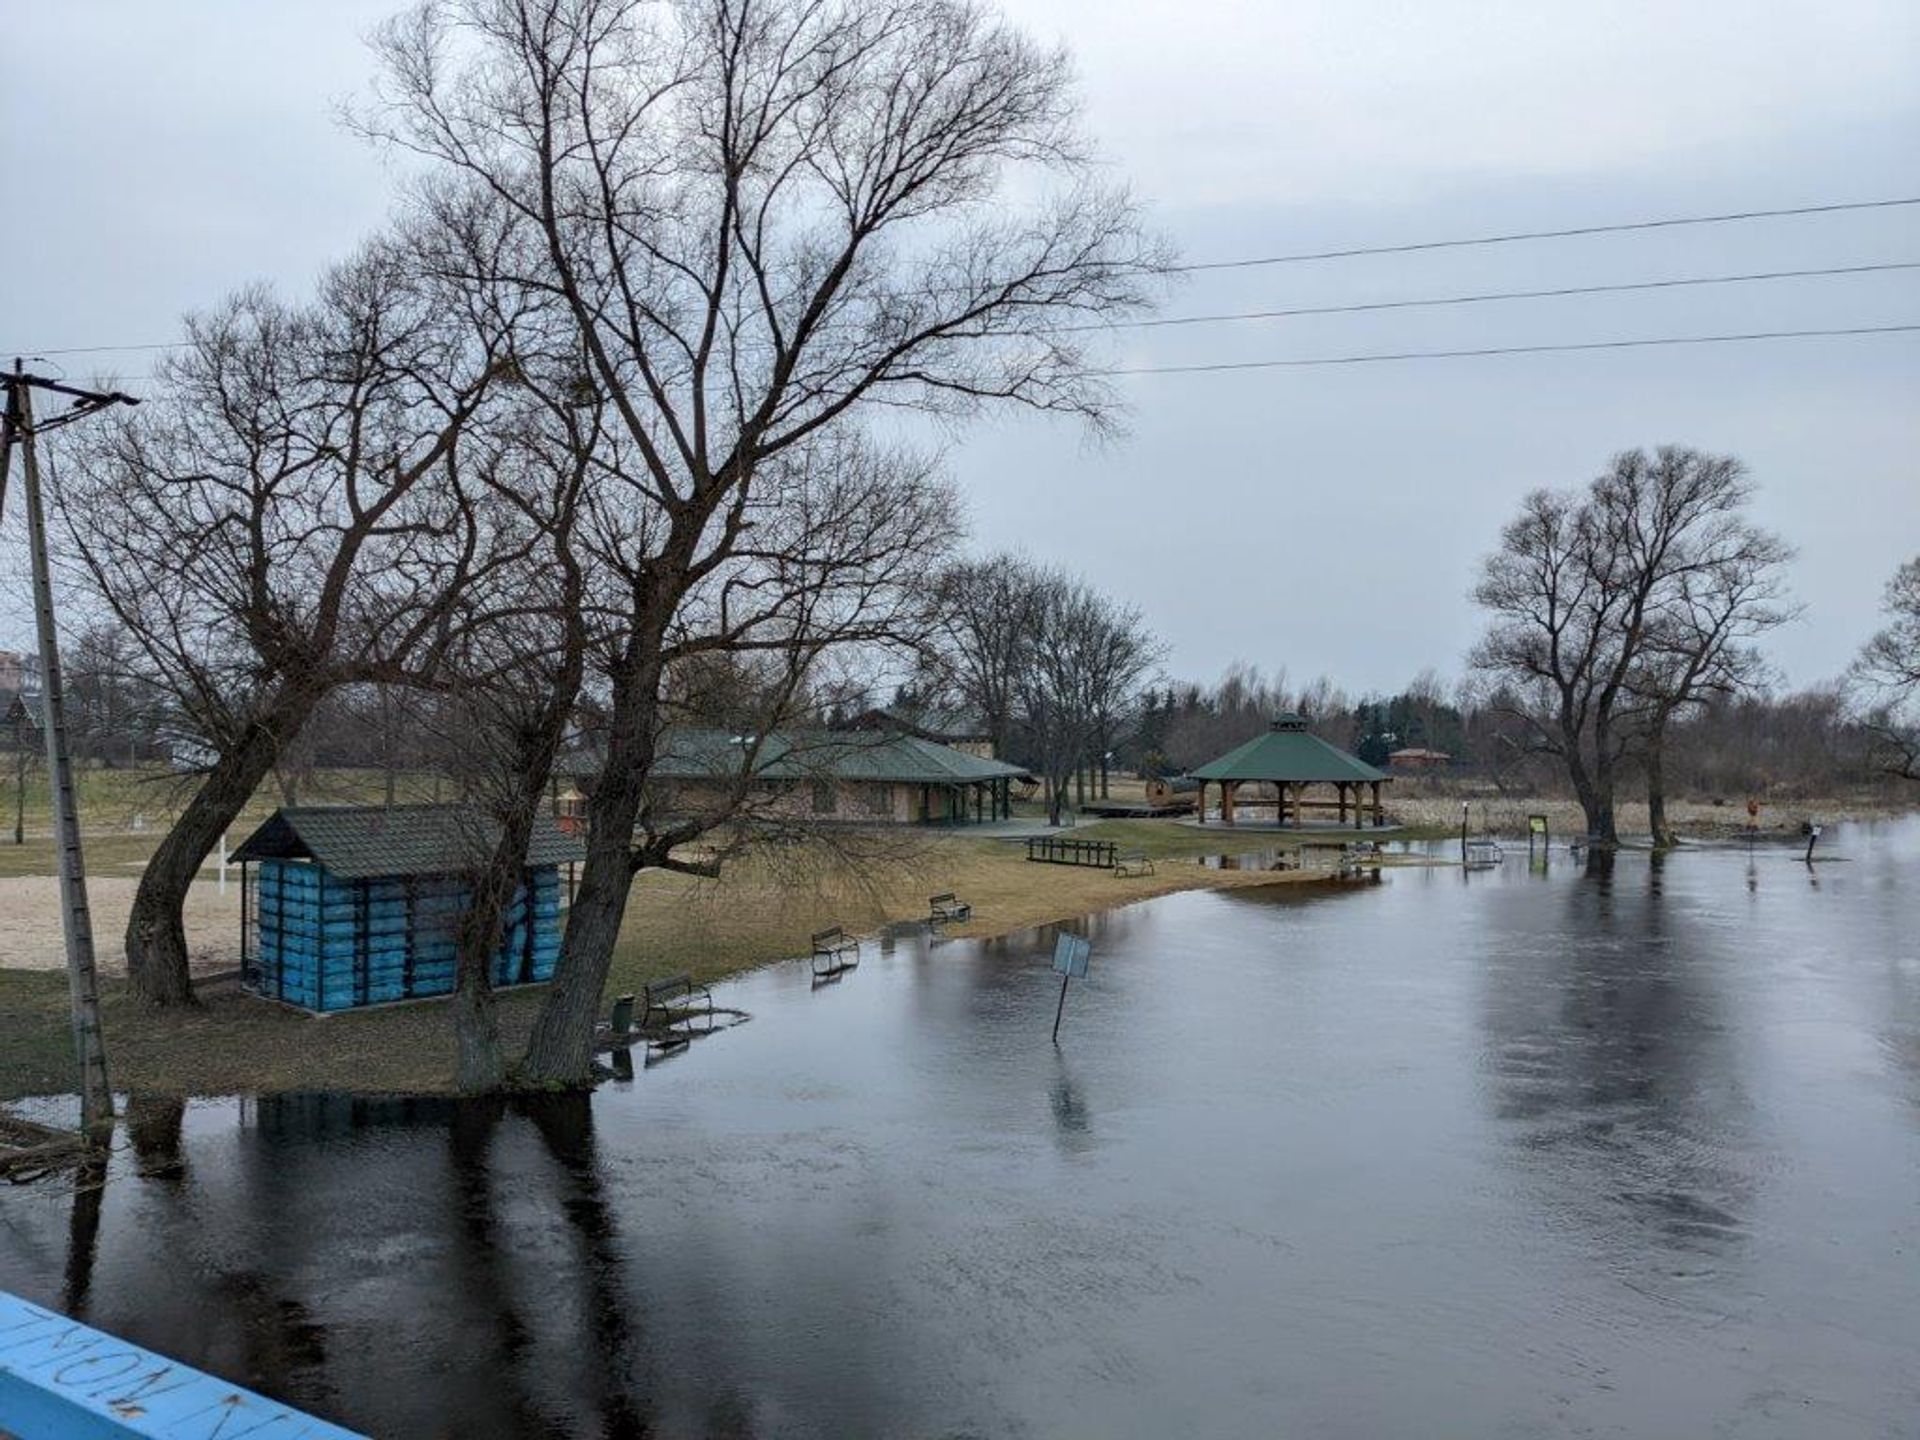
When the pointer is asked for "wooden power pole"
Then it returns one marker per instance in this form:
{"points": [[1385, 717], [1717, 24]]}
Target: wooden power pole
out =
{"points": [[18, 429]]}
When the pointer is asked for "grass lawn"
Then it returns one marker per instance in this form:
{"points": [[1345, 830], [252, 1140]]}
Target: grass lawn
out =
{"points": [[757, 912]]}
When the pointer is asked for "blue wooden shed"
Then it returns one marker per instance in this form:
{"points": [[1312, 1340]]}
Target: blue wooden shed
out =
{"points": [[345, 906]]}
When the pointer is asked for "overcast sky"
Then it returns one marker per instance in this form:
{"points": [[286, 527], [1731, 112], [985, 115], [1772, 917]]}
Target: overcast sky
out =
{"points": [[1308, 519]]}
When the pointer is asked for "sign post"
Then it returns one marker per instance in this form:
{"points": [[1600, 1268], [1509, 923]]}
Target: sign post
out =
{"points": [[1070, 954]]}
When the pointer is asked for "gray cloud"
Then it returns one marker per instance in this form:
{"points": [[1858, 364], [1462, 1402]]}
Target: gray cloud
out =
{"points": [[1321, 520]]}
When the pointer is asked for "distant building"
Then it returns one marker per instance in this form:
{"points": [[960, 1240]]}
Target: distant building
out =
{"points": [[856, 776], [965, 732], [1416, 758], [19, 674]]}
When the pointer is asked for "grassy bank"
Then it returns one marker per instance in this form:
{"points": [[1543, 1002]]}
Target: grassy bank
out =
{"points": [[758, 912]]}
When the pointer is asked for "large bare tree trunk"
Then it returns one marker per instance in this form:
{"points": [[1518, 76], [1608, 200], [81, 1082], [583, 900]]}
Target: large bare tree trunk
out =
{"points": [[560, 1051], [479, 1065], [1655, 759], [157, 969]]}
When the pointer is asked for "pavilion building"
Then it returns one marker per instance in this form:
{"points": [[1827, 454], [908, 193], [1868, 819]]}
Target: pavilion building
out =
{"points": [[1285, 762]]}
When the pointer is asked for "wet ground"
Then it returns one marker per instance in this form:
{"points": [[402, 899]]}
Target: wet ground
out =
{"points": [[1495, 1154]]}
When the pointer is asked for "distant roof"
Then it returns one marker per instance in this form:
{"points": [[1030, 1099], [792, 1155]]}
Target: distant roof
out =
{"points": [[929, 722], [864, 755], [1417, 752], [358, 842], [1291, 752]]}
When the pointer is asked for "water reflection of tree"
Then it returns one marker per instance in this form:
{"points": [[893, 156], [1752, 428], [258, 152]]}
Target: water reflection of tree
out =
{"points": [[1612, 1064], [565, 1125]]}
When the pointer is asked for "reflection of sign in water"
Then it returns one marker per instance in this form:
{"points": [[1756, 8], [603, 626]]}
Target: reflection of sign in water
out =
{"points": [[1070, 954]]}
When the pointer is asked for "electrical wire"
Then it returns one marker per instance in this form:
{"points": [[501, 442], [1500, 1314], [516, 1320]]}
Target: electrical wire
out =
{"points": [[1632, 344], [1517, 236], [1509, 238], [1482, 297]]}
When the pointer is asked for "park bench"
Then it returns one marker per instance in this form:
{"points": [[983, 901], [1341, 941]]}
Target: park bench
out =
{"points": [[947, 908], [670, 1003], [1134, 862], [834, 951]]}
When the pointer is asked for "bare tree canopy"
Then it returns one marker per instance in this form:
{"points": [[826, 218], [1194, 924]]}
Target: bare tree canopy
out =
{"points": [[1887, 676], [1616, 608], [286, 517], [762, 221]]}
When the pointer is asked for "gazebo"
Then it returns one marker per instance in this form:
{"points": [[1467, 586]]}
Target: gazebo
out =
{"points": [[1290, 757]]}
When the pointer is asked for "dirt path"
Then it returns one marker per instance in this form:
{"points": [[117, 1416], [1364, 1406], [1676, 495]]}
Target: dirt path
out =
{"points": [[31, 938]]}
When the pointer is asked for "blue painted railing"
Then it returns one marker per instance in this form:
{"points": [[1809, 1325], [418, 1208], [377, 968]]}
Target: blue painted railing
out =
{"points": [[61, 1380]]}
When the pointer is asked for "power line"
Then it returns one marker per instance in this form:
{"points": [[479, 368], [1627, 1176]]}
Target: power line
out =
{"points": [[1648, 342], [102, 349], [1515, 237], [1411, 247], [1636, 344], [1482, 297]]}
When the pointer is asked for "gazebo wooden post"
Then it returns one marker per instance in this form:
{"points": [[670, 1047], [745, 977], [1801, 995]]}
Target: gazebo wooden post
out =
{"points": [[1378, 818], [1200, 805], [1227, 788], [1341, 787]]}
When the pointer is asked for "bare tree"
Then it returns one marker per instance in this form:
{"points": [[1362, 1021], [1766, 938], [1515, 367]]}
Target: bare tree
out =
{"points": [[511, 687], [764, 219], [989, 612], [1887, 676], [1081, 671], [1118, 657], [1727, 592], [1576, 591], [283, 519]]}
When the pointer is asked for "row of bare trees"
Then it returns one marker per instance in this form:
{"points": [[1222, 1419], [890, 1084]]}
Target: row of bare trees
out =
{"points": [[1053, 668], [588, 434]]}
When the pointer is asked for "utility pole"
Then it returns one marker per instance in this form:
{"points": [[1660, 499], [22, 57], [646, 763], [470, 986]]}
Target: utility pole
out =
{"points": [[18, 428]]}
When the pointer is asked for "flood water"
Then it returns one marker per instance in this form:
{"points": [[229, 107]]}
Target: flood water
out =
{"points": [[1499, 1154]]}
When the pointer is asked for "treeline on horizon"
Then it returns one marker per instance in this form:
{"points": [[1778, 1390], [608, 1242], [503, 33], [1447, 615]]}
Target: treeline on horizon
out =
{"points": [[1789, 744]]}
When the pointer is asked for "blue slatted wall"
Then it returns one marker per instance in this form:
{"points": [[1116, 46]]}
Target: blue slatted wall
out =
{"points": [[332, 944]]}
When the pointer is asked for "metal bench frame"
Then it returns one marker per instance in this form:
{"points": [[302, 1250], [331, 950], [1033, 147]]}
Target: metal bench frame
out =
{"points": [[664, 1020], [834, 951], [1134, 863], [948, 908]]}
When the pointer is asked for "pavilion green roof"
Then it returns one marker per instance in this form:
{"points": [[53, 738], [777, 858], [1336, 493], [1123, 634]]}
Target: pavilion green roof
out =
{"points": [[885, 757], [1289, 752]]}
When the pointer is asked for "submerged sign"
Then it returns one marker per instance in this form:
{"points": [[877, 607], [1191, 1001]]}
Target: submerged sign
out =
{"points": [[61, 1380], [1070, 954]]}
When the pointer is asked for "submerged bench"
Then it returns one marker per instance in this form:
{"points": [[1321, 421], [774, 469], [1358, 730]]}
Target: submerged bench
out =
{"points": [[947, 908], [672, 1001], [834, 951], [1134, 862]]}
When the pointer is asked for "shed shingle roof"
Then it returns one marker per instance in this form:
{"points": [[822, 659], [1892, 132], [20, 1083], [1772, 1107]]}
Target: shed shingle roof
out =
{"points": [[1290, 752], [359, 842]]}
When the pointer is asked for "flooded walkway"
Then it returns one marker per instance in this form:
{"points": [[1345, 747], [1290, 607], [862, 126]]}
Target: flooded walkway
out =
{"points": [[1491, 1154]]}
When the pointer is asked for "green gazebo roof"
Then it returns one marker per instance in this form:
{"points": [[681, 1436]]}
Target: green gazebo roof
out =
{"points": [[1289, 753]]}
